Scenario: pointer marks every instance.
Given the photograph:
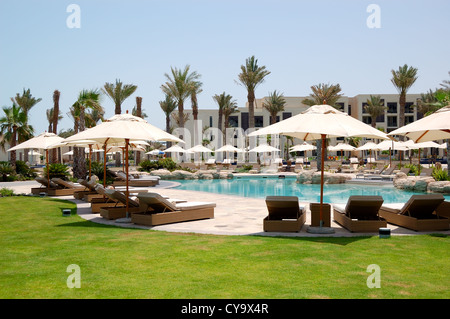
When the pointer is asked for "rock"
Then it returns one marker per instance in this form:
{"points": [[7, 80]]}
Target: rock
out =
{"points": [[314, 177], [180, 174], [163, 173], [439, 187]]}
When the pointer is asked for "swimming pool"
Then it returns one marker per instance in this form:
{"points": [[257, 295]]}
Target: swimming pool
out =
{"points": [[258, 187]]}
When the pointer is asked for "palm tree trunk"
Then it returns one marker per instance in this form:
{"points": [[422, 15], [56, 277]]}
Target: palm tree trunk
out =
{"points": [[56, 95], [181, 114], [81, 164], [137, 158], [251, 109], [118, 109], [13, 143], [448, 157]]}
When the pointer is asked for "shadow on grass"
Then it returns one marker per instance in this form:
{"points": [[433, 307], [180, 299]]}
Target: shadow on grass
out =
{"points": [[341, 241]]}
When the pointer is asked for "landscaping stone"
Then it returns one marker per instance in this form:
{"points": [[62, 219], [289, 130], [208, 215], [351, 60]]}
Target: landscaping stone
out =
{"points": [[313, 177]]}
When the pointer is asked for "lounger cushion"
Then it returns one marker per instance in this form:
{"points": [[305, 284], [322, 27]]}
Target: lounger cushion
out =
{"points": [[422, 206], [363, 207], [283, 207]]}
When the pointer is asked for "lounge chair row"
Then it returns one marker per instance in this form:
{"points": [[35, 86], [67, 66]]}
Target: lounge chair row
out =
{"points": [[363, 214]]}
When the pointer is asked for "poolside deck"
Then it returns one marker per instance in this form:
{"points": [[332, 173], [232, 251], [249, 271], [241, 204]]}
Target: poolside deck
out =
{"points": [[234, 215]]}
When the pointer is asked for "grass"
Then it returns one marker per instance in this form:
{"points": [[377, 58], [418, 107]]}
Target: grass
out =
{"points": [[38, 244]]}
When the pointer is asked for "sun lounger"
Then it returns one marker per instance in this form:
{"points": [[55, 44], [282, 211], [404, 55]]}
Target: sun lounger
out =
{"points": [[426, 171], [135, 181], [210, 163], [89, 187], [157, 210], [360, 214], [101, 199], [119, 209], [284, 214], [64, 188], [45, 185], [443, 210], [418, 214]]}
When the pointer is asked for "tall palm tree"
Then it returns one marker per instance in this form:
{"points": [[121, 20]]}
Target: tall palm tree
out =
{"points": [[118, 92], [168, 106], [323, 94], [26, 102], [87, 99], [196, 89], [229, 108], [179, 87], [403, 79], [13, 125], [138, 106], [49, 113], [222, 100], [274, 104], [250, 77], [375, 107], [56, 95]]}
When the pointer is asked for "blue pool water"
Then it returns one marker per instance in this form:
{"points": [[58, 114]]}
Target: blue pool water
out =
{"points": [[262, 187]]}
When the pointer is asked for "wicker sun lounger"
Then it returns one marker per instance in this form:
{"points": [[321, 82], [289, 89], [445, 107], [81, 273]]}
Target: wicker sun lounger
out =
{"points": [[419, 213], [361, 214], [157, 210], [136, 181], [284, 214], [45, 185], [118, 209], [64, 188]]}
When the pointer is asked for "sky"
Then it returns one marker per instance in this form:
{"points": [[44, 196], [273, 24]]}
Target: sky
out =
{"points": [[46, 45]]}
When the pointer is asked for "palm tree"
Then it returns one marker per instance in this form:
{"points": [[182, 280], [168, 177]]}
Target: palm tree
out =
{"points": [[274, 104], [26, 102], [50, 117], [403, 79], [222, 100], [118, 92], [375, 107], [13, 125], [168, 106], [323, 94], [87, 99], [196, 89], [250, 77], [229, 108], [179, 87]]}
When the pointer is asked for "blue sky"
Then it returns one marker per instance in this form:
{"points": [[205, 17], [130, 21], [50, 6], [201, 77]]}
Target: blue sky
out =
{"points": [[302, 43]]}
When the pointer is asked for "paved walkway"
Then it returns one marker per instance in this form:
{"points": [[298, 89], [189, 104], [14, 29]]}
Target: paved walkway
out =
{"points": [[233, 215]]}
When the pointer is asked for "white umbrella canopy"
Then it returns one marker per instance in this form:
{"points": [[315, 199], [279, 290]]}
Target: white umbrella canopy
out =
{"points": [[368, 147], [42, 141], [341, 147], [320, 122], [430, 128], [264, 148], [303, 147], [200, 149], [389, 144], [176, 149], [155, 152], [229, 148]]}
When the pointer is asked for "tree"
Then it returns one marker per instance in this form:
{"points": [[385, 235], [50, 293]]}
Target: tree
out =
{"points": [[13, 125], [196, 89], [229, 108], [49, 113], [251, 77], [375, 107], [403, 79], [222, 100], [138, 106], [323, 94], [55, 120], [179, 87], [168, 106], [118, 92], [87, 99], [274, 104]]}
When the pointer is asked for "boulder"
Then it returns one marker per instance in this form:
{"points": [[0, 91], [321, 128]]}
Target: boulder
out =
{"points": [[314, 177], [439, 187]]}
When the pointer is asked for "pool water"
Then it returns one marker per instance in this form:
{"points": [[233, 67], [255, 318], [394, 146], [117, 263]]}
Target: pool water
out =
{"points": [[262, 187]]}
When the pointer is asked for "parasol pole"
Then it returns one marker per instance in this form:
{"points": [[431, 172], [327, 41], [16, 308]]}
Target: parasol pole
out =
{"points": [[90, 160], [322, 166], [48, 170], [126, 172]]}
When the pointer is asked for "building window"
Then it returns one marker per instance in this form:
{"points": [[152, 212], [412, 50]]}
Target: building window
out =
{"points": [[259, 121], [349, 109], [244, 120], [367, 120], [392, 121], [409, 107], [364, 107], [210, 121], [392, 107], [341, 106], [233, 121], [409, 119], [286, 115]]}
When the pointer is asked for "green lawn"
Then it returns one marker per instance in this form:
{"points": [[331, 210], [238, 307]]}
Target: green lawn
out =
{"points": [[38, 244]]}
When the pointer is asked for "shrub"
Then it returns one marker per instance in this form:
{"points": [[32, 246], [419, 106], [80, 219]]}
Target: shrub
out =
{"points": [[166, 163], [4, 192], [23, 169], [440, 175], [57, 170], [5, 170]]}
